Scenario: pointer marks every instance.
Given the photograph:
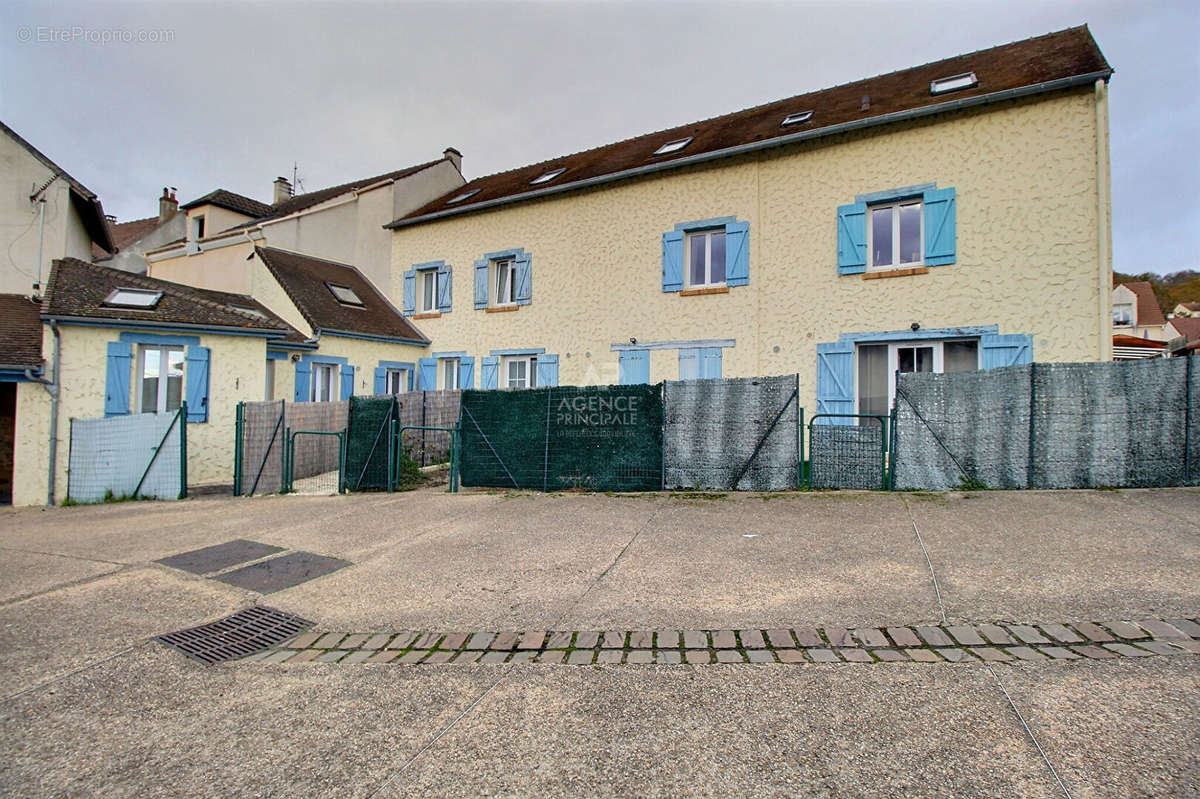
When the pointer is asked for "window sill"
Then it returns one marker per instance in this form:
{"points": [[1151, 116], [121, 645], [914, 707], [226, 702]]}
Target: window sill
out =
{"points": [[427, 315], [705, 290], [882, 273], [502, 308]]}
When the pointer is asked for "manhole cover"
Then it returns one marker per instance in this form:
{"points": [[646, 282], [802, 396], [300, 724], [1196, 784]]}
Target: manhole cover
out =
{"points": [[221, 556], [237, 636], [282, 572]]}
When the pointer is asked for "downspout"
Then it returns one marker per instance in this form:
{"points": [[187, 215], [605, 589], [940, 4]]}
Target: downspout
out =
{"points": [[52, 388], [41, 239], [1103, 232]]}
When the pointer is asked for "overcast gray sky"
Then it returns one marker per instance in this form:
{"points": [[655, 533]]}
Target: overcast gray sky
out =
{"points": [[241, 91]]}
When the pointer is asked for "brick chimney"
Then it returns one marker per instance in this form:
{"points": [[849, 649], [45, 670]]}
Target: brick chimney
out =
{"points": [[168, 206], [283, 190], [455, 157]]}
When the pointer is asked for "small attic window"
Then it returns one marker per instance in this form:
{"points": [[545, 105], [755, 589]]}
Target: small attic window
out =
{"points": [[549, 176], [796, 119], [673, 146], [344, 294], [459, 198], [133, 298], [953, 83]]}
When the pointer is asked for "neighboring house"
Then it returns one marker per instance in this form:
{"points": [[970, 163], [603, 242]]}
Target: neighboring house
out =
{"points": [[1187, 309], [20, 363], [43, 210], [132, 239], [1189, 329], [916, 221], [1134, 348], [343, 223], [1136, 312]]}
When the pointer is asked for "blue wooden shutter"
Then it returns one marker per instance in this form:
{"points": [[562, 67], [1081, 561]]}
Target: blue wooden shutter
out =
{"points": [[481, 284], [689, 364], [445, 292], [427, 374], [939, 227], [380, 380], [116, 380], [466, 372], [410, 293], [672, 260], [852, 238], [489, 373], [303, 379], [195, 373], [710, 363], [547, 371], [634, 367], [347, 381], [524, 278], [737, 253], [835, 380], [1012, 349]]}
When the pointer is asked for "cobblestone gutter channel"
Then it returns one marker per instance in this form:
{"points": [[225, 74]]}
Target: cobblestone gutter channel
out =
{"points": [[978, 643]]}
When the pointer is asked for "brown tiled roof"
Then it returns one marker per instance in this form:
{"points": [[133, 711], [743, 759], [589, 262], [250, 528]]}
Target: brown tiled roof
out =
{"points": [[125, 233], [78, 289], [1191, 306], [20, 331], [306, 279], [240, 302], [85, 201], [1188, 326], [223, 198], [1148, 310], [1002, 71]]}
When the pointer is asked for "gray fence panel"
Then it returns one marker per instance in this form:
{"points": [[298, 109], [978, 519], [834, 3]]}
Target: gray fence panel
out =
{"points": [[262, 447], [711, 429], [847, 456], [316, 454], [1193, 441], [110, 456]]}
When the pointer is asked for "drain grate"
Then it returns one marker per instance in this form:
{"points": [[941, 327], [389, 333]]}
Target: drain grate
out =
{"points": [[240, 635]]}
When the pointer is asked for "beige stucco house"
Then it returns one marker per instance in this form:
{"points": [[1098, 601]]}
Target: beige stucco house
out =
{"points": [[947, 217], [132, 239], [1136, 312]]}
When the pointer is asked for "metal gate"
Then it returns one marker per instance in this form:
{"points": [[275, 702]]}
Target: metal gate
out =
{"points": [[323, 481], [845, 455]]}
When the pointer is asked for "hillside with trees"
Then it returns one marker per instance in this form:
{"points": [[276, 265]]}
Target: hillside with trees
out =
{"points": [[1170, 289]]}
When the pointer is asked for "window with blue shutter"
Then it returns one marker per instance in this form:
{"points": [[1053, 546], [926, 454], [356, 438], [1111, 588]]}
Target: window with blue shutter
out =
{"points": [[835, 379], [706, 252], [524, 279], [1008, 349], [347, 381], [303, 381], [466, 372], [737, 254], [689, 364], [195, 375], [444, 288], [380, 381], [939, 226], [481, 284], [427, 374], [410, 293], [634, 367], [852, 239], [672, 261], [710, 363], [547, 371], [117, 378], [489, 374]]}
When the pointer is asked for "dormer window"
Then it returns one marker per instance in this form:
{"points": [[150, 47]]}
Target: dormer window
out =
{"points": [[344, 294], [673, 146], [460, 197], [966, 80], [142, 299], [796, 119], [197, 227], [549, 176]]}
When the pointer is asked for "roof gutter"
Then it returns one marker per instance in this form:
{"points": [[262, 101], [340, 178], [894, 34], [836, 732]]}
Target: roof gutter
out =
{"points": [[421, 342], [107, 322], [781, 141]]}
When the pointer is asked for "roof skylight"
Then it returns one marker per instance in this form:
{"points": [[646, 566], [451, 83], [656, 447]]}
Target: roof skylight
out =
{"points": [[251, 311], [953, 83], [133, 298], [549, 176], [459, 198], [344, 294], [673, 146], [796, 119]]}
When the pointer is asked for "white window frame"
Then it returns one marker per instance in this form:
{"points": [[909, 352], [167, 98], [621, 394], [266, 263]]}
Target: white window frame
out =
{"points": [[324, 375], [499, 267], [895, 205], [530, 362], [451, 369], [399, 377], [691, 238], [429, 276], [894, 347], [197, 227], [161, 353], [1128, 320]]}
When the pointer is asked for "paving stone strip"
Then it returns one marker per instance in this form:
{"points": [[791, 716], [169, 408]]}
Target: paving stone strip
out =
{"points": [[955, 643]]}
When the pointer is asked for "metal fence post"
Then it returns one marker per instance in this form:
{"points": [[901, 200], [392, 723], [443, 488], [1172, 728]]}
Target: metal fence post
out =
{"points": [[239, 421], [1032, 426], [183, 450], [891, 483]]}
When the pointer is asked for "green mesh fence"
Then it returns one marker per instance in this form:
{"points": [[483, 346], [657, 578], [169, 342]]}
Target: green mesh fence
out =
{"points": [[367, 442], [606, 438]]}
